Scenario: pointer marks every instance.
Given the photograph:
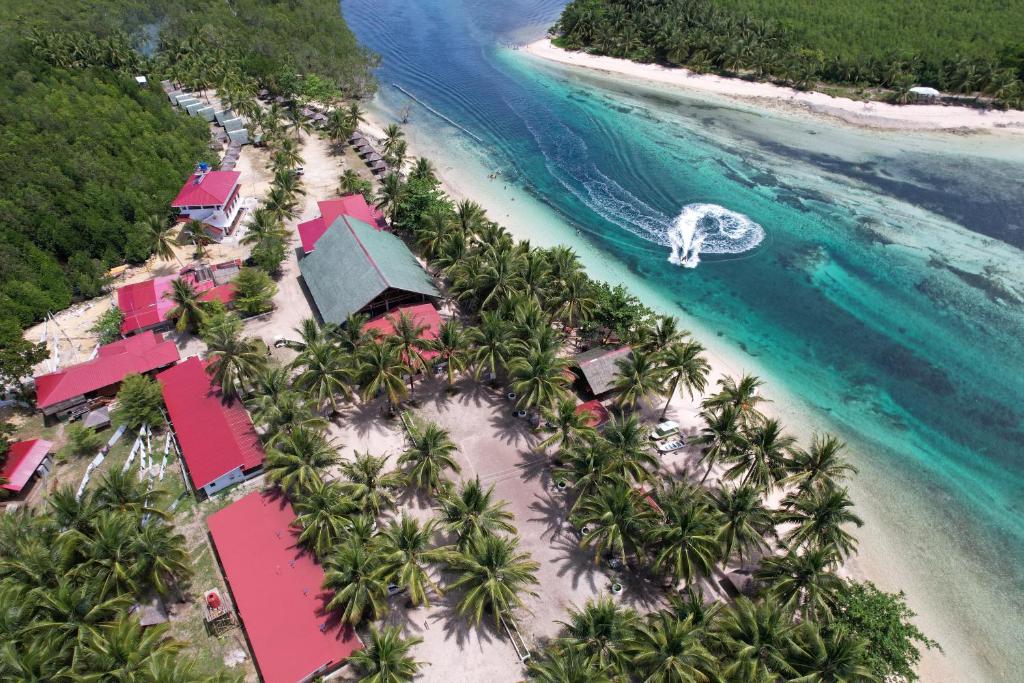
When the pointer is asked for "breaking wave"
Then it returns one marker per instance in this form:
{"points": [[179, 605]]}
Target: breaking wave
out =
{"points": [[710, 229]]}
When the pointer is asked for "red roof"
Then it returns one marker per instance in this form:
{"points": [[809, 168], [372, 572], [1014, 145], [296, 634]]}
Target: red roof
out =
{"points": [[22, 460], [145, 304], [212, 188], [421, 314], [598, 413], [215, 437], [277, 589], [142, 353], [223, 293], [353, 205]]}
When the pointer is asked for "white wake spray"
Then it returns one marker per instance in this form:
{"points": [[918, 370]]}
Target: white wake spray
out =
{"points": [[710, 229]]}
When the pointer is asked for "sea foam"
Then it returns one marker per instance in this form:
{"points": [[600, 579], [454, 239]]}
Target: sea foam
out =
{"points": [[710, 229]]}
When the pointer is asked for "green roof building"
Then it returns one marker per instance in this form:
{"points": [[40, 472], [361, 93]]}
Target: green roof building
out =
{"points": [[356, 268]]}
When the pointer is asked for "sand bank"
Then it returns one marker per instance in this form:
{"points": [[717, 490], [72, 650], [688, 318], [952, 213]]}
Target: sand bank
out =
{"points": [[865, 114]]}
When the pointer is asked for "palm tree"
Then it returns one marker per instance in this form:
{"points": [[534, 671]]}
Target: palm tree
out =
{"points": [[351, 182], [188, 309], [369, 485], [122, 650], [745, 521], [568, 666], [280, 204], [323, 373], [757, 638], [452, 345], [381, 371], [721, 437], [353, 116], [406, 547], [321, 512], [422, 170], [432, 228], [234, 360], [763, 457], [670, 650], [390, 195], [743, 395], [569, 426], [686, 544], [632, 455], [804, 582], [820, 467], [289, 181], [637, 378], [392, 136], [819, 516], [831, 655], [664, 334], [470, 513], [490, 344], [160, 237], [122, 491], [162, 558], [385, 657], [428, 456], [111, 562], [470, 216], [684, 365], [493, 574], [72, 615], [357, 574], [289, 153], [408, 338], [277, 408], [539, 378], [195, 232], [296, 461], [601, 631], [614, 519]]}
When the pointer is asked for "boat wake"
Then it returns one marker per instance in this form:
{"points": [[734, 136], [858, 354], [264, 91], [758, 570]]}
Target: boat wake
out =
{"points": [[710, 229]]}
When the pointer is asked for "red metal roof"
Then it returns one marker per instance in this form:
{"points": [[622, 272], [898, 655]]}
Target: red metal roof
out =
{"points": [[141, 353], [223, 293], [212, 188], [598, 413], [353, 205], [421, 314], [22, 460], [277, 589], [145, 304], [215, 437]]}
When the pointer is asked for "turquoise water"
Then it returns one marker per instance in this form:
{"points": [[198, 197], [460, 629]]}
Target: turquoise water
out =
{"points": [[887, 293]]}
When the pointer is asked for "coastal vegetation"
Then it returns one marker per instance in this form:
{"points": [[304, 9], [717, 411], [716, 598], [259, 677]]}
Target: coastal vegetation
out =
{"points": [[872, 47], [94, 160]]}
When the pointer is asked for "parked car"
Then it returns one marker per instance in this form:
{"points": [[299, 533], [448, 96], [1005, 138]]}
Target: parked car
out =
{"points": [[671, 445]]}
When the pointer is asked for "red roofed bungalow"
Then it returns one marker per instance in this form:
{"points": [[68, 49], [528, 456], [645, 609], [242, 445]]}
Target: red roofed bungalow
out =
{"points": [[146, 305], [25, 459], [276, 588], [218, 442], [68, 390], [353, 205], [596, 412], [211, 197], [421, 315]]}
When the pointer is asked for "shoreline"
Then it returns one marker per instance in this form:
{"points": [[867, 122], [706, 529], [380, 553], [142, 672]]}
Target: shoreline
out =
{"points": [[527, 219], [873, 115]]}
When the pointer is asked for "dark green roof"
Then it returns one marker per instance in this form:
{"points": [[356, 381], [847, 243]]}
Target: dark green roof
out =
{"points": [[354, 263]]}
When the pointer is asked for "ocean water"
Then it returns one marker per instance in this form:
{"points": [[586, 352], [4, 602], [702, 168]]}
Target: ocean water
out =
{"points": [[876, 277]]}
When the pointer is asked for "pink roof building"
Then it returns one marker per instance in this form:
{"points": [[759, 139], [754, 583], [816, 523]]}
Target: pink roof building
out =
{"points": [[420, 314], [277, 589], [146, 305], [218, 442], [211, 197], [24, 459], [103, 374], [353, 205]]}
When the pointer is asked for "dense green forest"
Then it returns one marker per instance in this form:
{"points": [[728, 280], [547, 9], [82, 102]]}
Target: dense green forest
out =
{"points": [[86, 154], [974, 49]]}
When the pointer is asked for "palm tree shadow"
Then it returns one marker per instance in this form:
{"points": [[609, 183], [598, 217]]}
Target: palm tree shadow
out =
{"points": [[552, 512], [509, 428], [362, 416], [457, 625], [577, 561]]}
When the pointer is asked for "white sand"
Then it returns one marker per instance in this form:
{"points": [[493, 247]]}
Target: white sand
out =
{"points": [[865, 114]]}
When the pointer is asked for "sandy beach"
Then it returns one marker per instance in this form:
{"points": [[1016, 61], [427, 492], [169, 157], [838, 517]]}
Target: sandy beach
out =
{"points": [[879, 115]]}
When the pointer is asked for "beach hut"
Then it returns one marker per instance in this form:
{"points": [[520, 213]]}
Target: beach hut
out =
{"points": [[378, 167], [597, 368], [223, 115], [233, 124], [193, 109], [356, 139], [240, 136], [185, 98], [373, 156], [173, 96], [363, 149], [141, 81], [206, 113]]}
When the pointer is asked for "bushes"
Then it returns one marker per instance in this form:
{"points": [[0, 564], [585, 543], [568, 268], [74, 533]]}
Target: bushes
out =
{"points": [[254, 292], [139, 402], [82, 440], [108, 325]]}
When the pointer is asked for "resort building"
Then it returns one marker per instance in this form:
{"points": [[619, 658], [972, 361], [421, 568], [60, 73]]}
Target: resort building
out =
{"points": [[596, 369], [276, 588], [357, 268], [218, 442], [421, 315], [146, 305], [211, 197], [25, 460], [73, 391], [352, 206]]}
